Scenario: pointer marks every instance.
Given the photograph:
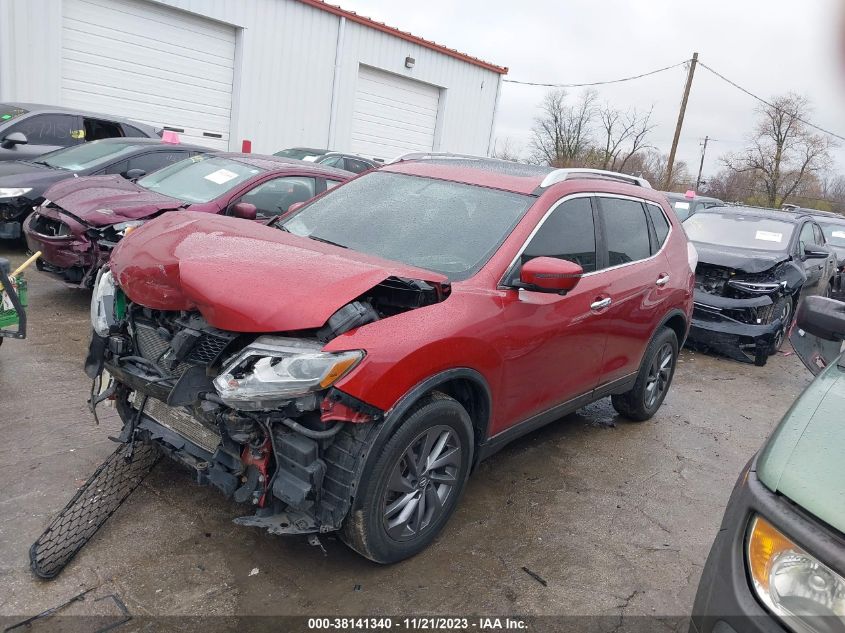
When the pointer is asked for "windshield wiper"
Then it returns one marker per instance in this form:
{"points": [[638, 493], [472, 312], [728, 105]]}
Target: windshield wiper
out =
{"points": [[325, 241]]}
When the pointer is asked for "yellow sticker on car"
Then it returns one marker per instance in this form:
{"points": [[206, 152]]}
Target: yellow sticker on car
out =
{"points": [[77, 134]]}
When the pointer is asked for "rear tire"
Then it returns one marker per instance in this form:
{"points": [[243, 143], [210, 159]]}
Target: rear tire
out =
{"points": [[415, 483], [653, 381]]}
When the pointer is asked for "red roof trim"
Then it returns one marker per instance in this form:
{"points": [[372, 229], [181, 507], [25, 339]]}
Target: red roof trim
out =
{"points": [[408, 37]]}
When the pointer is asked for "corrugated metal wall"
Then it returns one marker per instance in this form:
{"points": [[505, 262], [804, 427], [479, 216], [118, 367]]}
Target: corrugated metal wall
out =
{"points": [[284, 71]]}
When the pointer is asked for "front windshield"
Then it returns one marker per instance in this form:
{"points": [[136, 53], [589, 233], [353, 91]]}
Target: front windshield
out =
{"points": [[199, 179], [447, 227], [739, 231], [86, 156], [834, 232]]}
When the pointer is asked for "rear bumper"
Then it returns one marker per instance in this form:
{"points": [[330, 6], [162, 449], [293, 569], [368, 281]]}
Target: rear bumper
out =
{"points": [[714, 326], [725, 602]]}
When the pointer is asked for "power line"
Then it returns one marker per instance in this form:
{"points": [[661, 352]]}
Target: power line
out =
{"points": [[665, 68], [597, 83], [771, 105]]}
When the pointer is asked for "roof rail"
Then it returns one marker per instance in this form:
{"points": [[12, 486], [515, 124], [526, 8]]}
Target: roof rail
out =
{"points": [[430, 155], [559, 175]]}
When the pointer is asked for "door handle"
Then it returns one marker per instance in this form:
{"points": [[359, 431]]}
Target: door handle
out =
{"points": [[601, 303], [662, 280]]}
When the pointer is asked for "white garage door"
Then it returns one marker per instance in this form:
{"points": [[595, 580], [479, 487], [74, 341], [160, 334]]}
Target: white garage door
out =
{"points": [[392, 115], [150, 63]]}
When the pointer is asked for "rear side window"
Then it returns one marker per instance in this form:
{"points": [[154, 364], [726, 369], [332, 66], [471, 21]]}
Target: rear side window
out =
{"points": [[129, 130], [568, 233], [661, 226], [626, 230], [356, 166], [96, 129]]}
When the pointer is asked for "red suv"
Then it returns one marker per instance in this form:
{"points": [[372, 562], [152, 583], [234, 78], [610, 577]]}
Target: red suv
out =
{"points": [[346, 367]]}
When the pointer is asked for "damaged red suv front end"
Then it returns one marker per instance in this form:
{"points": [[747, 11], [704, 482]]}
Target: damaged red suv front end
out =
{"points": [[344, 369]]}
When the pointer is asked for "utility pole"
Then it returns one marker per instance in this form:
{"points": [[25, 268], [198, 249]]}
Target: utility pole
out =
{"points": [[701, 164], [668, 181]]}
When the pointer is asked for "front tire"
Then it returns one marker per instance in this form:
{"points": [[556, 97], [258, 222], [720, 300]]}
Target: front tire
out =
{"points": [[653, 381], [782, 311], [415, 483]]}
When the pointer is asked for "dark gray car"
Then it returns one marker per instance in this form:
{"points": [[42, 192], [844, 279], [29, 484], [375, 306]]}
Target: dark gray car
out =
{"points": [[28, 130], [348, 162], [684, 206]]}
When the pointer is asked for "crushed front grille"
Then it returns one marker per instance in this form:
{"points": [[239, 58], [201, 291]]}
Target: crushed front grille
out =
{"points": [[153, 347], [178, 420]]}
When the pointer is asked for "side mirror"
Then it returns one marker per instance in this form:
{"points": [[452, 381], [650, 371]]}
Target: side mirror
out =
{"points": [[294, 207], [549, 274], [134, 174], [815, 252], [822, 317], [15, 138], [245, 210]]}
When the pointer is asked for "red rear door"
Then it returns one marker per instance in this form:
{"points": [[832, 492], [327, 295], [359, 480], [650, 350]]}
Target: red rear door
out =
{"points": [[637, 281]]}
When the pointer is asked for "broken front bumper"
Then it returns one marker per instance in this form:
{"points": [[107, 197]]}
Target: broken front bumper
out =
{"points": [[737, 328], [12, 214], [66, 249]]}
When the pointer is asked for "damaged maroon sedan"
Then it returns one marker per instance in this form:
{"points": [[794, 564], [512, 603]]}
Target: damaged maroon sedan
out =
{"points": [[83, 219], [346, 368]]}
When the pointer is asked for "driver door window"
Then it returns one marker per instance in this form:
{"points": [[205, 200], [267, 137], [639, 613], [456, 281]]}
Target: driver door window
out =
{"points": [[568, 233], [53, 130], [275, 196], [807, 238]]}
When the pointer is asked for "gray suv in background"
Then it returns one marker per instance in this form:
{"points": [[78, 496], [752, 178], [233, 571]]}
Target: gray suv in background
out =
{"points": [[28, 130]]}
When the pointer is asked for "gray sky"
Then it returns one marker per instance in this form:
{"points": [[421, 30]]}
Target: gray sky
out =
{"points": [[767, 46]]}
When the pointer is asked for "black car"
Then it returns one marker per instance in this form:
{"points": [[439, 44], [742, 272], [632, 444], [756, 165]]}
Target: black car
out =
{"points": [[23, 183], [28, 130], [753, 265], [833, 227], [685, 205], [350, 162]]}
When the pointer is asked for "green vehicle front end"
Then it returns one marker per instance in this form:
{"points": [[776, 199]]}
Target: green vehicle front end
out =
{"points": [[778, 561]]}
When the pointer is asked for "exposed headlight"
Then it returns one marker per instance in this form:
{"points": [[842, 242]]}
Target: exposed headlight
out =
{"points": [[13, 192], [274, 368], [805, 593], [125, 227], [755, 286], [102, 302]]}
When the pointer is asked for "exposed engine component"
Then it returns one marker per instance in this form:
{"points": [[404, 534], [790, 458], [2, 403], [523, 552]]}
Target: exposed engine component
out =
{"points": [[349, 317]]}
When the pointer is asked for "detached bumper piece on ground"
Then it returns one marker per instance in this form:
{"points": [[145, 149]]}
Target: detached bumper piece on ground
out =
{"points": [[90, 507]]}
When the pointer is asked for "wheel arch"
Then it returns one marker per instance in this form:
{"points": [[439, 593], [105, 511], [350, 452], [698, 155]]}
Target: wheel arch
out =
{"points": [[677, 321]]}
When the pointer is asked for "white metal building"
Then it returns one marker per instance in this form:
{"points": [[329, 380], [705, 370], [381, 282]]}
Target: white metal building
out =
{"points": [[280, 73]]}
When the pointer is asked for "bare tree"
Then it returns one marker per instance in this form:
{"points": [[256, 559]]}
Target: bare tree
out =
{"points": [[651, 165], [782, 153], [561, 135], [507, 149], [625, 134]]}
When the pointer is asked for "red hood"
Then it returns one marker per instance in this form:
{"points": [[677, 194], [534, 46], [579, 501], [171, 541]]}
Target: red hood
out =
{"points": [[245, 277], [103, 200]]}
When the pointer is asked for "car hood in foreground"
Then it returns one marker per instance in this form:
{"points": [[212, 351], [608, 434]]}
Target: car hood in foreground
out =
{"points": [[18, 173], [103, 200], [803, 458], [745, 260], [243, 276]]}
